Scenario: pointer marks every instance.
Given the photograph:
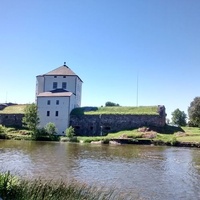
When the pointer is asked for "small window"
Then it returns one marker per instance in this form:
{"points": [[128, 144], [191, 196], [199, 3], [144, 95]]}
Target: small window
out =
{"points": [[91, 127], [55, 85], [64, 85], [55, 76], [56, 113], [57, 102], [64, 76], [48, 113], [48, 102]]}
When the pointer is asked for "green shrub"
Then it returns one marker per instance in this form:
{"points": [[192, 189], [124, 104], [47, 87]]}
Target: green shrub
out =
{"points": [[2, 129], [38, 134], [173, 141], [9, 186], [50, 128], [70, 132]]}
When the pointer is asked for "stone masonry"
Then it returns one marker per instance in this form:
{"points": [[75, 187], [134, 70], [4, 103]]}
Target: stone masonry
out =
{"points": [[11, 120], [96, 125]]}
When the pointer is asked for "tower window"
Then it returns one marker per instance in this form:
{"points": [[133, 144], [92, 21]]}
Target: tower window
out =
{"points": [[48, 102], [57, 102], [64, 76], [56, 113], [64, 85], [48, 113], [55, 85], [55, 76]]}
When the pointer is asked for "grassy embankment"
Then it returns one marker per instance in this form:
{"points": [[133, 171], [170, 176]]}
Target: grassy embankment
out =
{"points": [[11, 187], [15, 109], [141, 110], [11, 132]]}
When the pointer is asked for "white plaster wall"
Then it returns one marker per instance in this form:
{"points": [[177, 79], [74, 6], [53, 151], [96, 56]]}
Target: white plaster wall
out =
{"points": [[62, 120], [70, 80], [78, 92], [72, 103], [39, 84]]}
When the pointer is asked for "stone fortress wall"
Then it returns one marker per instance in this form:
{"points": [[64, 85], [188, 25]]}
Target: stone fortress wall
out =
{"points": [[97, 125], [10, 120]]}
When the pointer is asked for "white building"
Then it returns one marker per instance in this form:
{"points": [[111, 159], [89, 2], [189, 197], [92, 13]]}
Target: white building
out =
{"points": [[57, 93]]}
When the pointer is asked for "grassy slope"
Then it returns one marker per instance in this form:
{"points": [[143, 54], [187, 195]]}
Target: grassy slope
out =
{"points": [[191, 134], [149, 110], [15, 109]]}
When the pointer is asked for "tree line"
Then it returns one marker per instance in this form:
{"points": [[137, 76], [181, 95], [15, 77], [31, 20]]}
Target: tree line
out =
{"points": [[179, 117]]}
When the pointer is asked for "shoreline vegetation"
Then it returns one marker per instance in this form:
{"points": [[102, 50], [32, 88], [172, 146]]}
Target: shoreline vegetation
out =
{"points": [[13, 187], [169, 135]]}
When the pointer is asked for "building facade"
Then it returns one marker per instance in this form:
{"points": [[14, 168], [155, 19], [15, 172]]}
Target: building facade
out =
{"points": [[58, 92]]}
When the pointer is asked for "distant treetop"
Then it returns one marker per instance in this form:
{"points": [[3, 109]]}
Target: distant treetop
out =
{"points": [[109, 103]]}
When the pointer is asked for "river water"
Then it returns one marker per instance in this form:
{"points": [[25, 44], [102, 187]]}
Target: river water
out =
{"points": [[146, 172]]}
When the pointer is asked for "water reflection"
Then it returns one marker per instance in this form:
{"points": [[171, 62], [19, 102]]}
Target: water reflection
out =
{"points": [[147, 171]]}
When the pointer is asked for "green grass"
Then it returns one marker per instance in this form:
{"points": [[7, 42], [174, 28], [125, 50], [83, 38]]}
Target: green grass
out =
{"points": [[192, 130], [15, 109], [141, 110], [191, 134], [193, 139], [11, 187]]}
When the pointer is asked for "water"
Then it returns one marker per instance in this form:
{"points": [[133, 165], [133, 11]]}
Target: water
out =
{"points": [[146, 172]]}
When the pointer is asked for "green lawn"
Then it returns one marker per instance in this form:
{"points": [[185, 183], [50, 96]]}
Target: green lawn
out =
{"points": [[15, 109], [192, 130], [191, 134], [146, 110], [194, 139]]}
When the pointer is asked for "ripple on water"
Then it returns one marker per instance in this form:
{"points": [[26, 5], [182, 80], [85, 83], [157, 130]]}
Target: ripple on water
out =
{"points": [[144, 171]]}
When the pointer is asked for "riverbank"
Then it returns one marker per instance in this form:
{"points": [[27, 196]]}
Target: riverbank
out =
{"points": [[170, 136]]}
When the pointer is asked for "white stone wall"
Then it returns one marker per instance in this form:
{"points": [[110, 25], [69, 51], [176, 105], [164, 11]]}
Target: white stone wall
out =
{"points": [[78, 92], [39, 85], [70, 80], [64, 108]]}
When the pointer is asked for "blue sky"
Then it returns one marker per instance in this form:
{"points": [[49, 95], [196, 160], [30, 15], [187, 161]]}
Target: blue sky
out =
{"points": [[107, 43]]}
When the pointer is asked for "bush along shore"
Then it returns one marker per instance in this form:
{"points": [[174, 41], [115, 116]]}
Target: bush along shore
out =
{"points": [[14, 188], [169, 135]]}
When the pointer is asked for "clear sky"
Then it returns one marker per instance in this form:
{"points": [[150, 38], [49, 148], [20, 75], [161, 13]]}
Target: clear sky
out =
{"points": [[107, 43]]}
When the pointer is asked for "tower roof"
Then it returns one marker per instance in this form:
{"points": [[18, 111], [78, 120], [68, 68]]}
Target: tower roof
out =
{"points": [[63, 70]]}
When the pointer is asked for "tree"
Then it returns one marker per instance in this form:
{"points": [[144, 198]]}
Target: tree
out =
{"points": [[179, 117], [109, 103], [31, 119], [194, 112]]}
